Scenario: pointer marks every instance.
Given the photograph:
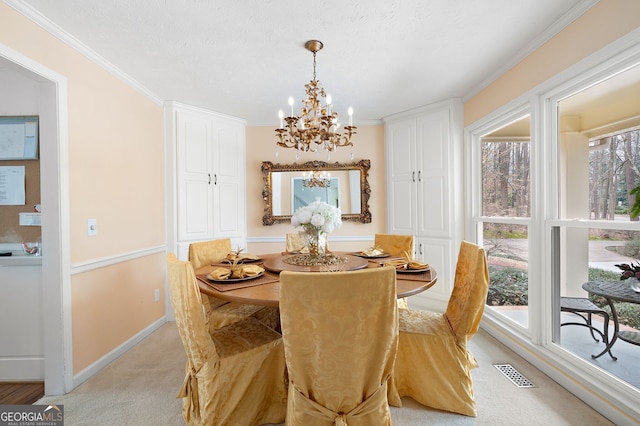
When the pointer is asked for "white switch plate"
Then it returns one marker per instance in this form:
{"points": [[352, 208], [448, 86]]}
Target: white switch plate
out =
{"points": [[156, 295], [92, 228]]}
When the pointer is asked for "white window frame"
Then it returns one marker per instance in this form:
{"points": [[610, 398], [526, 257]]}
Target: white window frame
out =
{"points": [[535, 344], [474, 206]]}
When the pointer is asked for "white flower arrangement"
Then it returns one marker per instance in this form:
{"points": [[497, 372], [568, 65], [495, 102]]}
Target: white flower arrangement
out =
{"points": [[317, 216]]}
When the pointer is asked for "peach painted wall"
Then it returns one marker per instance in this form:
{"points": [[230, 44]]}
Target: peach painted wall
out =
{"points": [[117, 166], [604, 23], [116, 174], [261, 146], [114, 302]]}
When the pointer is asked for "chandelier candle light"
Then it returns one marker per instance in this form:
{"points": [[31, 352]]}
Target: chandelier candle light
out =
{"points": [[317, 125]]}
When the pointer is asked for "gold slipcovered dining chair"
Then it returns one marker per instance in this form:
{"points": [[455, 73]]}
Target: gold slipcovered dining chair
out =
{"points": [[297, 243], [433, 365], [204, 253], [340, 339], [220, 312], [395, 245], [235, 375]]}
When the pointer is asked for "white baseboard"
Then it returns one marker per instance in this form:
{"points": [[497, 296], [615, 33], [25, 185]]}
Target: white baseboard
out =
{"points": [[94, 368], [20, 369]]}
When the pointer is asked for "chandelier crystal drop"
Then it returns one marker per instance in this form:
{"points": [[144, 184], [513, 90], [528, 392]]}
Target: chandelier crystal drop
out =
{"points": [[317, 125]]}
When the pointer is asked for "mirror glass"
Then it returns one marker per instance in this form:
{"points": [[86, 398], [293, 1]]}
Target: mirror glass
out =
{"points": [[304, 195], [286, 187]]}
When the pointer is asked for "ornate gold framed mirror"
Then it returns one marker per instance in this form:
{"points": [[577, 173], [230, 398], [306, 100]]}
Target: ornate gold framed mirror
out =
{"points": [[287, 187]]}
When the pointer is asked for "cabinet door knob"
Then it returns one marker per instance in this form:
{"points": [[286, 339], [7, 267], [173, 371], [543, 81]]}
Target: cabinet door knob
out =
{"points": [[209, 174], [215, 179], [419, 175], [413, 176]]}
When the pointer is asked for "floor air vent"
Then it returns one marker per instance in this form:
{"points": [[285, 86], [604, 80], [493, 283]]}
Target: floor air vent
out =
{"points": [[514, 376]]}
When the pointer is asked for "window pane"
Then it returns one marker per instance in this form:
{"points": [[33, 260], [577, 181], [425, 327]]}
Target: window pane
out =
{"points": [[591, 255], [505, 178], [614, 170], [507, 251]]}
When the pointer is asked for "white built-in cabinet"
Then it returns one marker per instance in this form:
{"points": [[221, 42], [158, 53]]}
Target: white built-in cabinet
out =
{"points": [[423, 158], [206, 163]]}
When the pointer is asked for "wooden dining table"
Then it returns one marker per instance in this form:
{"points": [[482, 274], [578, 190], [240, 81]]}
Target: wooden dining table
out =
{"points": [[265, 290]]}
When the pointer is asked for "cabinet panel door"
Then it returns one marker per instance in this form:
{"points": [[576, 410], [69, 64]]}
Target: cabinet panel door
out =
{"points": [[402, 208], [194, 175], [433, 141], [197, 214], [437, 253], [227, 222], [400, 157], [229, 182], [432, 215], [433, 175]]}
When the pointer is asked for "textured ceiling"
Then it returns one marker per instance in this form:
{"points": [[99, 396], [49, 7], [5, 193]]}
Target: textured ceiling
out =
{"points": [[245, 58]]}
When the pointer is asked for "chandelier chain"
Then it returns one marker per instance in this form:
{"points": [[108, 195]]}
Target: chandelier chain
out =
{"points": [[314, 66]]}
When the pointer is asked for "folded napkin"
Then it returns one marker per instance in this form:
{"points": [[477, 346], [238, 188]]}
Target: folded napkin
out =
{"points": [[220, 273], [406, 264], [244, 271], [248, 271], [235, 257], [414, 264], [373, 251]]}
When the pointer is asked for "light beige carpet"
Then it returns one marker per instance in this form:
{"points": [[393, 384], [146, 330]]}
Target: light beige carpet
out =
{"points": [[140, 387]]}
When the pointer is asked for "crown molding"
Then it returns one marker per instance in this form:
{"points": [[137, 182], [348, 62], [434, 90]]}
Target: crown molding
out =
{"points": [[55, 30], [551, 31]]}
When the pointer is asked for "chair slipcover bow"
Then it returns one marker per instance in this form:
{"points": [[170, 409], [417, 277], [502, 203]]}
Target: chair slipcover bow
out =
{"points": [[340, 337]]}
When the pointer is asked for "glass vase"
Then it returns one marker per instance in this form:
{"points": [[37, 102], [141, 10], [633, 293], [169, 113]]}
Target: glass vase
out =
{"points": [[316, 242], [635, 284]]}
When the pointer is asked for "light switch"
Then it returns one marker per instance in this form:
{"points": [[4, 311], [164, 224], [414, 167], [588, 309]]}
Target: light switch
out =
{"points": [[92, 229]]}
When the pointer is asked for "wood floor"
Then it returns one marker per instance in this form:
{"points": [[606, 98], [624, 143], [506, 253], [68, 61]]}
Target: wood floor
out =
{"points": [[20, 393]]}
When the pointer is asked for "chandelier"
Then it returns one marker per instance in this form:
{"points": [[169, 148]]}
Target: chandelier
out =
{"points": [[317, 125], [316, 179]]}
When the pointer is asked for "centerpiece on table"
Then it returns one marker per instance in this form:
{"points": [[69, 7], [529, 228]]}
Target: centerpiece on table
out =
{"points": [[631, 270], [317, 220]]}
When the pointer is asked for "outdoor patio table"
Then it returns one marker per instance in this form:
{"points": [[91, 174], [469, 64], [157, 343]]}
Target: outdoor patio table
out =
{"points": [[619, 291]]}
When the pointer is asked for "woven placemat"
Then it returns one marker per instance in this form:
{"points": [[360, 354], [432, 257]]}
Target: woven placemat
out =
{"points": [[266, 278]]}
